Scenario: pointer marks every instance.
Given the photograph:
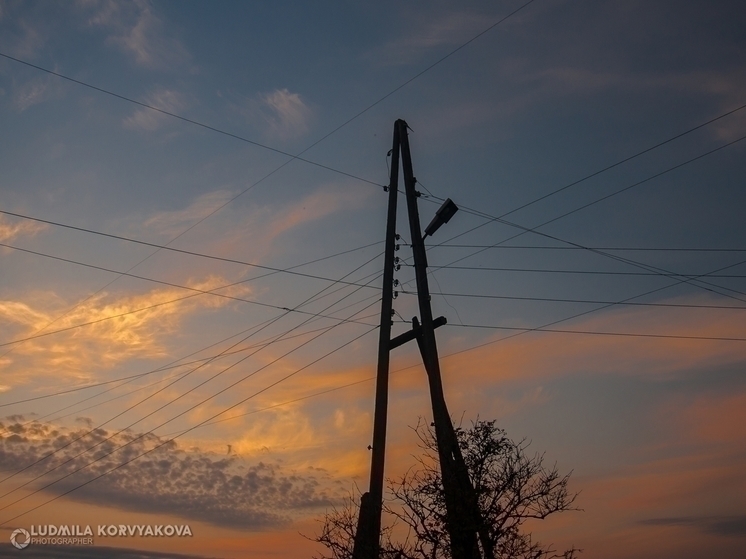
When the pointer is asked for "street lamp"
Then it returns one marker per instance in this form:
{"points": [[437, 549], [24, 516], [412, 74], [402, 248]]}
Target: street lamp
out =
{"points": [[443, 215]]}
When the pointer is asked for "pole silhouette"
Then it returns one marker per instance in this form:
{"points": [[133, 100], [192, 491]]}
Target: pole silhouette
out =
{"points": [[463, 519]]}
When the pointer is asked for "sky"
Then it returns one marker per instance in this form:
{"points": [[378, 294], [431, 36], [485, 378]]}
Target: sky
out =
{"points": [[176, 284]]}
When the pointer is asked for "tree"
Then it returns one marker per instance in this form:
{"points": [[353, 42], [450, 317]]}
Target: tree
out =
{"points": [[512, 487]]}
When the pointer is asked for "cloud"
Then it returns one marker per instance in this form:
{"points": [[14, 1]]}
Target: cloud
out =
{"points": [[225, 491], [80, 352], [280, 114], [715, 525], [138, 32], [20, 38], [422, 37], [173, 222], [150, 120], [36, 91], [10, 230]]}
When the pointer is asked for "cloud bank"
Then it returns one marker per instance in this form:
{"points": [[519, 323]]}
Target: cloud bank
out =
{"points": [[224, 491]]}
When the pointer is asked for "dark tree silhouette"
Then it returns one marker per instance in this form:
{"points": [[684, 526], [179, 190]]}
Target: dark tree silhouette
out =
{"points": [[512, 487]]}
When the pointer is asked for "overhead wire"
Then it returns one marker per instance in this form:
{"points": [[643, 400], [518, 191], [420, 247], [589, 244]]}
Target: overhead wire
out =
{"points": [[578, 315], [584, 301], [187, 120], [131, 378], [576, 272], [99, 476], [171, 284], [292, 156], [142, 435], [135, 439], [155, 305], [268, 323], [289, 271], [699, 283], [608, 249], [601, 333], [120, 466], [603, 170]]}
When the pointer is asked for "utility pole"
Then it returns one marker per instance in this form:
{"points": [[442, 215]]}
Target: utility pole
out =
{"points": [[368, 534], [463, 519]]}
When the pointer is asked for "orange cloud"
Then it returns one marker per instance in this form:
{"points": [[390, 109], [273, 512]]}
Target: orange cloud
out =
{"points": [[81, 352], [9, 230]]}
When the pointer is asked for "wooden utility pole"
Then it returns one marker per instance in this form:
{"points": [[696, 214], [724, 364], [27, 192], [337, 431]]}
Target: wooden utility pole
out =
{"points": [[463, 519], [368, 531]]}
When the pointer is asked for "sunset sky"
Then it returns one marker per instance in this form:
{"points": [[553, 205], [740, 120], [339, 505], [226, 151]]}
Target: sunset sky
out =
{"points": [[597, 153]]}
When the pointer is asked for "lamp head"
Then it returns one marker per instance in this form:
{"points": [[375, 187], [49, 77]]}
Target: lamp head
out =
{"points": [[443, 215]]}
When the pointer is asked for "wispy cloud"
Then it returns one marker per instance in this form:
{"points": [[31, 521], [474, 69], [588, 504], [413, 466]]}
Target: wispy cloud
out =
{"points": [[716, 525], [82, 353], [173, 222], [221, 490], [36, 91], [10, 230], [20, 37], [426, 35], [279, 114], [137, 31], [150, 120], [266, 224]]}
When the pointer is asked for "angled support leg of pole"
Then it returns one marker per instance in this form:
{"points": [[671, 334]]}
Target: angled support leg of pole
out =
{"points": [[463, 518]]}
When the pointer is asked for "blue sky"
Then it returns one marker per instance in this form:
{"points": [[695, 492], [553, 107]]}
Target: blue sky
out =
{"points": [[652, 427]]}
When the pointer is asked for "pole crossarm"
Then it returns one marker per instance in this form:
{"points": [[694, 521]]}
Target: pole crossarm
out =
{"points": [[415, 332]]}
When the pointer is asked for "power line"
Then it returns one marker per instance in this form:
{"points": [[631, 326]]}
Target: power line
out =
{"points": [[169, 420], [522, 331], [606, 197], [599, 333], [581, 272], [600, 171], [259, 144], [263, 343], [663, 272], [171, 284], [122, 383], [422, 72], [146, 416], [165, 405], [184, 432], [154, 245], [155, 305], [609, 249], [584, 313], [625, 160], [583, 301], [188, 120]]}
